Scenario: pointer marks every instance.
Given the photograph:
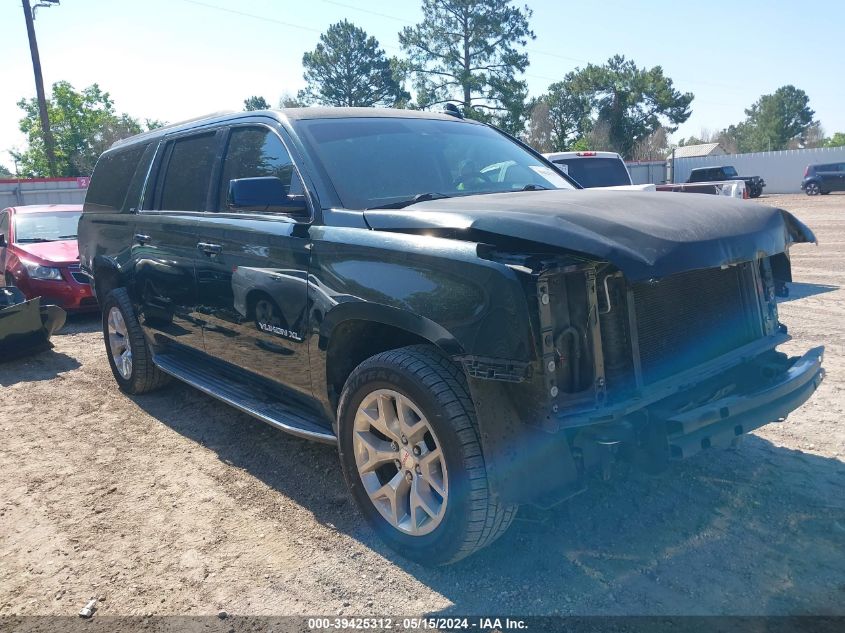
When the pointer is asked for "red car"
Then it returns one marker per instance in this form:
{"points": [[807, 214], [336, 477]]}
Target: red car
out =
{"points": [[39, 255]]}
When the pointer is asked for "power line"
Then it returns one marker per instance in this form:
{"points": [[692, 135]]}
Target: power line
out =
{"points": [[252, 15], [406, 21]]}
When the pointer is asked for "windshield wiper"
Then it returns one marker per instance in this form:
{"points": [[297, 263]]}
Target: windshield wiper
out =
{"points": [[533, 187], [420, 197], [32, 240], [66, 237]]}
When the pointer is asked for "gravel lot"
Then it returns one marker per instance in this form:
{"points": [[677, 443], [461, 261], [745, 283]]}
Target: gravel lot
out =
{"points": [[173, 503]]}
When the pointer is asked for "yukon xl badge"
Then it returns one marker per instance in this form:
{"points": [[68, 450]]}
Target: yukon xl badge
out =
{"points": [[280, 331]]}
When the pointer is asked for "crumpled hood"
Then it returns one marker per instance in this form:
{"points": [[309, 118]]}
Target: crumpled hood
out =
{"points": [[646, 235], [58, 252]]}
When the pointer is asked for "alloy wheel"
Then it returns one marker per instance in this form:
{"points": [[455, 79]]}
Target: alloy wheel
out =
{"points": [[812, 189], [121, 350], [400, 462]]}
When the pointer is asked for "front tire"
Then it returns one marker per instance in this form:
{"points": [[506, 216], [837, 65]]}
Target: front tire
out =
{"points": [[412, 459], [129, 354]]}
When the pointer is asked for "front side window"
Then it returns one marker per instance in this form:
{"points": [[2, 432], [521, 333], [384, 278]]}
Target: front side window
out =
{"points": [[188, 173], [256, 152], [729, 172], [379, 161], [31, 228]]}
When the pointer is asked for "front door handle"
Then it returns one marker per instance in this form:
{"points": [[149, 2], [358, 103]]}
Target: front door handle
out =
{"points": [[141, 238], [210, 249]]}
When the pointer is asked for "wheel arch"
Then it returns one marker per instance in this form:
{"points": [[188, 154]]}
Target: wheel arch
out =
{"points": [[353, 332], [106, 277]]}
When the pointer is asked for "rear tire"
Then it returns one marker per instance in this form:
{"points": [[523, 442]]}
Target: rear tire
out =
{"points": [[420, 400], [812, 189], [129, 355]]}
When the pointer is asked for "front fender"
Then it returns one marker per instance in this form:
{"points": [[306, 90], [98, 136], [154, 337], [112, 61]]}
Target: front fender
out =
{"points": [[435, 287], [388, 315]]}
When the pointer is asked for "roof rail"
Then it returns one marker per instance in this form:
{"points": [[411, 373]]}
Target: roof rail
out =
{"points": [[169, 126]]}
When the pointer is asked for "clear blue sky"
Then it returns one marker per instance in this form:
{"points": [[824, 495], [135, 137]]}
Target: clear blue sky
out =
{"points": [[173, 59]]}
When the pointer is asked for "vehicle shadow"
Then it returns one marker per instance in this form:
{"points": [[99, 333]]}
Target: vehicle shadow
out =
{"points": [[757, 530], [44, 365], [804, 290], [84, 323]]}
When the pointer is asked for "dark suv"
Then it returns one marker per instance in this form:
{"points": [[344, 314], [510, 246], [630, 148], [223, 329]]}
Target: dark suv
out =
{"points": [[822, 179], [435, 298]]}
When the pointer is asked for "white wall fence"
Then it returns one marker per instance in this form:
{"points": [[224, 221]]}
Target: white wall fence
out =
{"points": [[15, 192], [644, 172], [782, 171]]}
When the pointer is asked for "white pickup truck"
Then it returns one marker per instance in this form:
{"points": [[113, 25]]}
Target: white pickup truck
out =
{"points": [[608, 170]]}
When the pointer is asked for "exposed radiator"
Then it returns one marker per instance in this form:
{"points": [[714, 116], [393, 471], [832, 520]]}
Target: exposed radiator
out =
{"points": [[690, 318]]}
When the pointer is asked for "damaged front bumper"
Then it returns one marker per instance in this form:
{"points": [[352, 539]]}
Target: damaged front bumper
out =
{"points": [[708, 407], [718, 422]]}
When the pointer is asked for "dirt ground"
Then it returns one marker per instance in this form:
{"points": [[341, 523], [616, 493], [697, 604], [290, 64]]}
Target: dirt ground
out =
{"points": [[173, 503]]}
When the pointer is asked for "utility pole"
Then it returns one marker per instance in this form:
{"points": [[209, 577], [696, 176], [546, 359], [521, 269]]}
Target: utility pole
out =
{"points": [[49, 147]]}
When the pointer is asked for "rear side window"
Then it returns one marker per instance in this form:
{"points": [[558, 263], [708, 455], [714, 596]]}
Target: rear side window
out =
{"points": [[255, 152], [111, 180], [188, 173]]}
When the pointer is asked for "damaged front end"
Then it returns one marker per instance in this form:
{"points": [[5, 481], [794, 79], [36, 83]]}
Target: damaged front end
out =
{"points": [[26, 326], [645, 371]]}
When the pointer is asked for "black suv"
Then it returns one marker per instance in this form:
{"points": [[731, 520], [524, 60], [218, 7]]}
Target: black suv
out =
{"points": [[822, 179], [754, 184], [434, 297]]}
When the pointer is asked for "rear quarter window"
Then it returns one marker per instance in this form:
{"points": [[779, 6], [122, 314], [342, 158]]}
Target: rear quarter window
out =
{"points": [[187, 175], [115, 184]]}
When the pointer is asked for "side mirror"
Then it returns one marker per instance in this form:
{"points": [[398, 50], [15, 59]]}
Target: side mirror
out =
{"points": [[264, 194]]}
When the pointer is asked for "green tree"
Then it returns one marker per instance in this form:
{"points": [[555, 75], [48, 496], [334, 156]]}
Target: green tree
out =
{"points": [[290, 101], [256, 103], [470, 52], [347, 68], [837, 140], [5, 173], [773, 121], [84, 125], [568, 116], [626, 104]]}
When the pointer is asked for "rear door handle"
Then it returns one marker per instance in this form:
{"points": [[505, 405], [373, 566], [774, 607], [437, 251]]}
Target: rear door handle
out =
{"points": [[210, 249], [141, 238]]}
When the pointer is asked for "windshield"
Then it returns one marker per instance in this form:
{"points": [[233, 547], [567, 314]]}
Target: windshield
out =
{"points": [[596, 172], [45, 227], [729, 171], [374, 162]]}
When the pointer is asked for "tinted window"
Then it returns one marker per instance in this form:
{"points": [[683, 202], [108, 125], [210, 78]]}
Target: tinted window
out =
{"points": [[596, 171], [188, 175], [110, 181], [376, 161], [255, 152], [4, 224], [729, 171]]}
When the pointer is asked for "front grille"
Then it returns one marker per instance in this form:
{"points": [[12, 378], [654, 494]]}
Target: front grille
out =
{"points": [[78, 275], [690, 318]]}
